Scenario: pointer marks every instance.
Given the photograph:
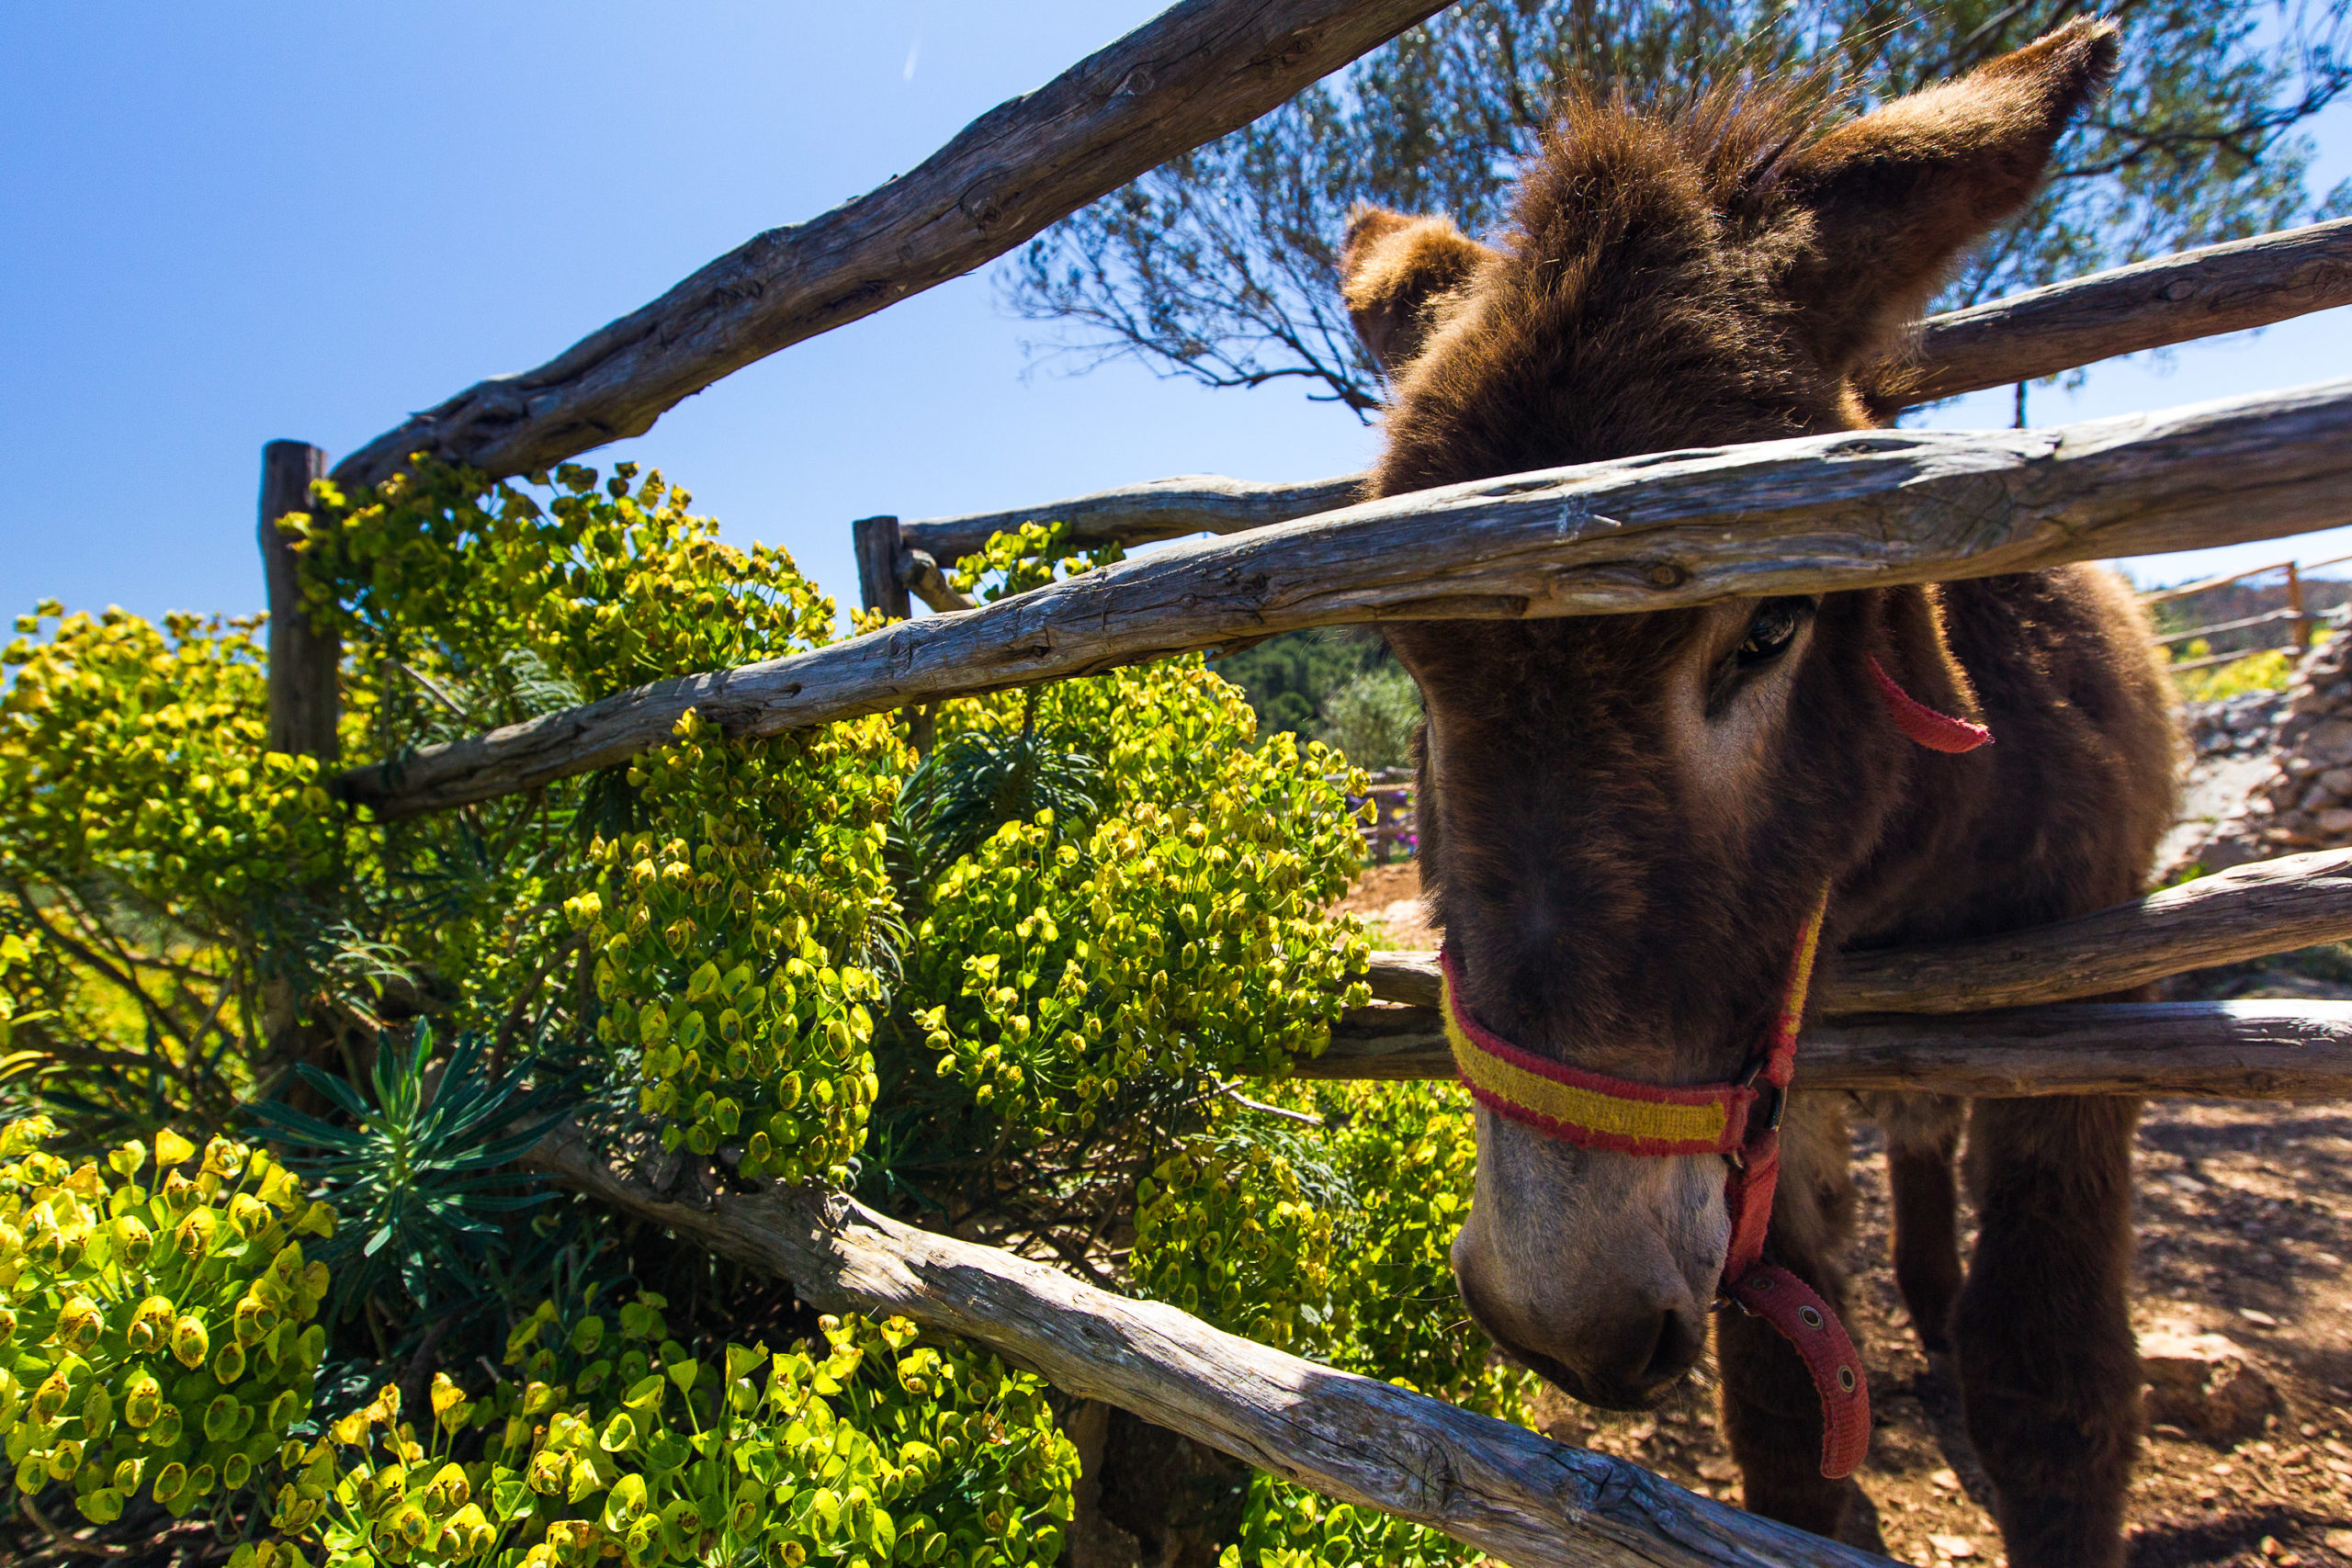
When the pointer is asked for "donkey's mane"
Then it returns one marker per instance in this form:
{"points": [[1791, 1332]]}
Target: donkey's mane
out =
{"points": [[1630, 307]]}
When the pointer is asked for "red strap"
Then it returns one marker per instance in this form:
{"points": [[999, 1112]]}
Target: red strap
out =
{"points": [[1936, 731], [1748, 1195], [1797, 1312]]}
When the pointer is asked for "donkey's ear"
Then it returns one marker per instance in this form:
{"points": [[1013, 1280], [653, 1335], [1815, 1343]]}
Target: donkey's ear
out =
{"points": [[1397, 273], [1898, 194]]}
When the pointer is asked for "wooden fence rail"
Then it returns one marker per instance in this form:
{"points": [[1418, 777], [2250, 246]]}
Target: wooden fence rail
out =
{"points": [[2201, 1050], [1854, 510], [1505, 1490], [1192, 74], [2153, 304], [2249, 911]]}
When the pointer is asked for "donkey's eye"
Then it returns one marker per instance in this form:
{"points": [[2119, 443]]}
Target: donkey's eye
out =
{"points": [[1776, 625]]}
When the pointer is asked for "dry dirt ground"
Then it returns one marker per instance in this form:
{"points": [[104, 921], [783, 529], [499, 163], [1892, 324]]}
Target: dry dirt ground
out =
{"points": [[2246, 1222]]}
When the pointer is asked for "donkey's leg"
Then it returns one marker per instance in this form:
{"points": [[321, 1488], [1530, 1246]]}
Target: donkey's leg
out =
{"points": [[2048, 1372], [1770, 1413], [1922, 1137]]}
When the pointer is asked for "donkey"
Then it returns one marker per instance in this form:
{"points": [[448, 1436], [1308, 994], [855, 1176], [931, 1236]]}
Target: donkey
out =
{"points": [[1628, 822]]}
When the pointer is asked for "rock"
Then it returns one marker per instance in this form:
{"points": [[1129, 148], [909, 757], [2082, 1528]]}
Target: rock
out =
{"points": [[2203, 1383], [2335, 819], [2336, 781], [2315, 799], [2330, 743], [1958, 1548], [2222, 852]]}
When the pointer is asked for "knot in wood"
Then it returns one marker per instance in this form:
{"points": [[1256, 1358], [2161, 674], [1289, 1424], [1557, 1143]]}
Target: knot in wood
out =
{"points": [[1666, 574], [981, 207]]}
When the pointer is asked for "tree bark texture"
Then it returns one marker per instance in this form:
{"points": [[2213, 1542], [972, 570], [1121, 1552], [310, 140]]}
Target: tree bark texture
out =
{"points": [[2190, 1050], [880, 585], [305, 701], [1198, 70], [1528, 1501], [1817, 514], [2252, 912], [2151, 304]]}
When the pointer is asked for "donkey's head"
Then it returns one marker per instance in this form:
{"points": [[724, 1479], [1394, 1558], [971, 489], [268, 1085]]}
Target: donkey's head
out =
{"points": [[1628, 819]]}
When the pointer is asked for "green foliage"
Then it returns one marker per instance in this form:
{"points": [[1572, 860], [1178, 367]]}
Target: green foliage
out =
{"points": [[1029, 557], [1329, 1234], [1186, 931], [994, 988], [1222, 265], [153, 1339], [146, 836], [1371, 719], [1290, 678], [604, 586], [416, 1169], [737, 942], [2268, 670], [613, 1438], [1330, 1238], [981, 779], [1289, 1526]]}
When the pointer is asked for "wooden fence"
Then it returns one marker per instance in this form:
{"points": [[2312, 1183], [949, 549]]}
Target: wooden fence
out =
{"points": [[1846, 510], [2295, 616]]}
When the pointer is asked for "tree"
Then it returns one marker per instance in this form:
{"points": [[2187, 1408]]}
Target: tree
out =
{"points": [[1221, 265]]}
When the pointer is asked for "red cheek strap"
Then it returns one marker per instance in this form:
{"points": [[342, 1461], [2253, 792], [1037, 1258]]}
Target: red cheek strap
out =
{"points": [[1936, 731]]}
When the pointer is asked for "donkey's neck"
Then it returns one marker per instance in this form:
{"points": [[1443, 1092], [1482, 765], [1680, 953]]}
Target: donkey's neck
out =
{"points": [[2062, 814]]}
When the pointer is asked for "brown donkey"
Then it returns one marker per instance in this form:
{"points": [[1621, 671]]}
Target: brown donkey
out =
{"points": [[1628, 821]]}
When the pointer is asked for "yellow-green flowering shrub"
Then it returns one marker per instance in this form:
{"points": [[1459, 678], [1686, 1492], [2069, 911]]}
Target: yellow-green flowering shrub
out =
{"points": [[1184, 930], [146, 836], [733, 941], [155, 1339], [1289, 1526], [1224, 1231], [612, 1439], [1331, 1241], [137, 755], [466, 602], [1019, 559], [607, 585]]}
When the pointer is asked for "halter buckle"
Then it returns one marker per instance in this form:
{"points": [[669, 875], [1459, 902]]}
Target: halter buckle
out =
{"points": [[1777, 1096]]}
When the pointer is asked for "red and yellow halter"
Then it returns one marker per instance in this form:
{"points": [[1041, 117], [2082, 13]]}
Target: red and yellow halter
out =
{"points": [[1597, 1111]]}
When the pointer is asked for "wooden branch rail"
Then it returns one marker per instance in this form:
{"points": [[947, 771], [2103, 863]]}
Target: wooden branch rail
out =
{"points": [[2250, 911], [2218, 627], [1856, 510], [1503, 1489], [1138, 515], [2151, 304], [2197, 1050], [1198, 70]]}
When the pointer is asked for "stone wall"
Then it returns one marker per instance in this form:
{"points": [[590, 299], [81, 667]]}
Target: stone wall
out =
{"points": [[2300, 797]]}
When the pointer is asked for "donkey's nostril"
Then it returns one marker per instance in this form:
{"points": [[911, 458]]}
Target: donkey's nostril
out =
{"points": [[1681, 1339]]}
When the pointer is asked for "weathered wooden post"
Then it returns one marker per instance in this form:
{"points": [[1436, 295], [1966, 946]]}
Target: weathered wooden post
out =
{"points": [[877, 539], [304, 702], [2301, 622], [880, 544]]}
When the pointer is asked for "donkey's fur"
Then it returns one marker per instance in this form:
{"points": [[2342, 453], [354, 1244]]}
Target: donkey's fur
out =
{"points": [[1627, 819]]}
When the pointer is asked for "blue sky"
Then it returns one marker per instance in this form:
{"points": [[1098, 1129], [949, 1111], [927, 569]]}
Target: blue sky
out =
{"points": [[240, 222]]}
